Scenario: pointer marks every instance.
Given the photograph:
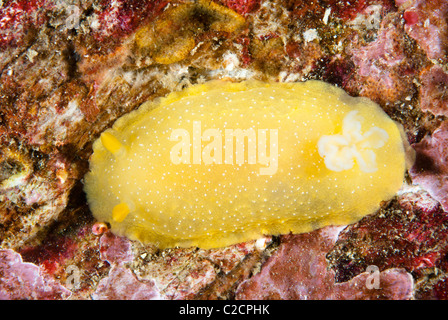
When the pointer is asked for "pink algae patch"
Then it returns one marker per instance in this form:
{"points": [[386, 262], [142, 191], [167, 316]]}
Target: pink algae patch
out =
{"points": [[298, 270], [434, 91], [115, 249], [431, 166], [23, 280], [384, 68], [426, 23], [122, 284]]}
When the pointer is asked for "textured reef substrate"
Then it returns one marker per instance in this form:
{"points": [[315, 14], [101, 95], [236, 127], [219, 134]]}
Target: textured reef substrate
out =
{"points": [[69, 69]]}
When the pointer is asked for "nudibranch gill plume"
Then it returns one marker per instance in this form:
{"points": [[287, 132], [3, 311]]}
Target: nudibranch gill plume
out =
{"points": [[223, 162]]}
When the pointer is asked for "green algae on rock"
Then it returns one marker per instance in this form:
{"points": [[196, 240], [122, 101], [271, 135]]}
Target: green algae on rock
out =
{"points": [[221, 163]]}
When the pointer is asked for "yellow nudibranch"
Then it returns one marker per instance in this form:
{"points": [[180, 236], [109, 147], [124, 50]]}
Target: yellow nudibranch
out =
{"points": [[222, 162]]}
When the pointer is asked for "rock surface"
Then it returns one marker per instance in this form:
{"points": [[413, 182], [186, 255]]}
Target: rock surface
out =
{"points": [[68, 69]]}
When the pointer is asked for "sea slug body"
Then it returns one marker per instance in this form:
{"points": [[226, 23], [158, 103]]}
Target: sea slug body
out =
{"points": [[222, 162]]}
